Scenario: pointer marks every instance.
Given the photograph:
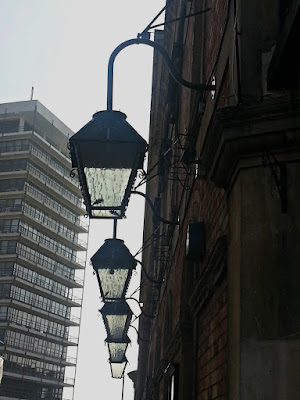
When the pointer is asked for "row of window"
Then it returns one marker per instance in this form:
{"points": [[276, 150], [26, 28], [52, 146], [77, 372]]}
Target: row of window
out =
{"points": [[10, 247], [28, 366], [35, 300], [8, 205], [41, 280], [10, 268], [38, 237], [34, 322], [61, 169], [45, 219], [34, 344], [53, 184], [19, 184], [11, 185], [13, 165], [29, 390], [9, 146], [25, 165], [43, 260], [46, 200]]}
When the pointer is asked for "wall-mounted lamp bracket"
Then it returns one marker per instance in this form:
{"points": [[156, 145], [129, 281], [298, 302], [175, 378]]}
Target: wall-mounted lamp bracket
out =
{"points": [[157, 216], [140, 40], [138, 335], [152, 280], [141, 308]]}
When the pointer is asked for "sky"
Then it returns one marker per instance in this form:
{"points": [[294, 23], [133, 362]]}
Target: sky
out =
{"points": [[61, 49]]}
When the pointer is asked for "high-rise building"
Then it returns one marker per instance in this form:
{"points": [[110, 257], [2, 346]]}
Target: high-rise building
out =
{"points": [[42, 254]]}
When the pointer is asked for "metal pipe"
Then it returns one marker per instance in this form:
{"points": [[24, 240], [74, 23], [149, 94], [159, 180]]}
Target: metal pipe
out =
{"points": [[115, 228]]}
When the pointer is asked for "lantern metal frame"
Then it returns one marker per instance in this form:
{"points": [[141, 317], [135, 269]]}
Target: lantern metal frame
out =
{"points": [[117, 355], [121, 365]]}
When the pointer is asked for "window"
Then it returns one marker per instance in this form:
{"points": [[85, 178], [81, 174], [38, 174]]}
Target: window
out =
{"points": [[9, 225], [3, 313], [8, 246], [9, 185]]}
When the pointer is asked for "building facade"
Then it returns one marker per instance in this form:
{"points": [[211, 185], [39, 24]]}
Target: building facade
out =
{"points": [[42, 254], [221, 314]]}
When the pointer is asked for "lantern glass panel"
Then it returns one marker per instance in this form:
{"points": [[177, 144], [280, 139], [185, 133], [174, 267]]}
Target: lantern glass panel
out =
{"points": [[113, 282], [117, 351], [117, 369], [107, 187], [116, 325]]}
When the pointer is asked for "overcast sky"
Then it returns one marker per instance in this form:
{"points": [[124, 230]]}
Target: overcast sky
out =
{"points": [[61, 48]]}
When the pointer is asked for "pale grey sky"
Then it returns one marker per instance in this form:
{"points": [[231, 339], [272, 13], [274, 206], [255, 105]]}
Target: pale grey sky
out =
{"points": [[61, 48]]}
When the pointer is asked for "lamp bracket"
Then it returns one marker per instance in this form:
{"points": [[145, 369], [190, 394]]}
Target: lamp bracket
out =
{"points": [[156, 281], [141, 308], [140, 40], [158, 217], [138, 335]]}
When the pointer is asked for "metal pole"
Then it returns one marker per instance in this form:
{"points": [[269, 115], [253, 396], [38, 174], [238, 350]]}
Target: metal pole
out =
{"points": [[123, 387], [115, 228]]}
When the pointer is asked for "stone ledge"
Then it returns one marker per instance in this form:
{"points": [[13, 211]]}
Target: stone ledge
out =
{"points": [[245, 131]]}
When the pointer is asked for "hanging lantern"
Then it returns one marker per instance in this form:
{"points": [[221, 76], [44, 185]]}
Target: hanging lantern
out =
{"points": [[113, 264], [107, 152]]}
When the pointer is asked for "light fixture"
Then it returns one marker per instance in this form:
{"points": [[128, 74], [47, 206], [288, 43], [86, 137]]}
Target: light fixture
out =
{"points": [[116, 316], [113, 264], [107, 152], [117, 349], [118, 368]]}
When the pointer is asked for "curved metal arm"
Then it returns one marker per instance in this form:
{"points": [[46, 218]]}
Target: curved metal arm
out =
{"points": [[157, 216], [141, 308], [138, 335], [157, 282], [174, 73]]}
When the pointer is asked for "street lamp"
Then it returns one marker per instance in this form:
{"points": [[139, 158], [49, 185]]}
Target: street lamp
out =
{"points": [[116, 317], [107, 152], [113, 264]]}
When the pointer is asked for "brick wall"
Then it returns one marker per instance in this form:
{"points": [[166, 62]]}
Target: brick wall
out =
{"points": [[212, 347], [209, 204], [216, 19]]}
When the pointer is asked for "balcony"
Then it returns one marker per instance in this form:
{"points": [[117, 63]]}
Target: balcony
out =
{"points": [[52, 246], [42, 328], [46, 266], [43, 200], [37, 375]]}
